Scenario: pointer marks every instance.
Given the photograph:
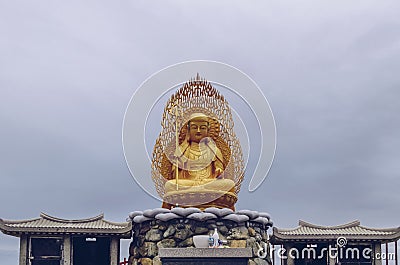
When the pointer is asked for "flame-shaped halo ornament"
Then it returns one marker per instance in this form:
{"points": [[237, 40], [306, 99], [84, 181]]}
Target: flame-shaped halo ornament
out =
{"points": [[197, 98]]}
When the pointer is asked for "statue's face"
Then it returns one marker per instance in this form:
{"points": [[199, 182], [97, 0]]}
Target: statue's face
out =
{"points": [[198, 130]]}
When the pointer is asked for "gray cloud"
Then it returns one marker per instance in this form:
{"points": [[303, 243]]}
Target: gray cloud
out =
{"points": [[329, 71]]}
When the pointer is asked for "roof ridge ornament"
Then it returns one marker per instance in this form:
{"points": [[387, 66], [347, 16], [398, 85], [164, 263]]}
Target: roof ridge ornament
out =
{"points": [[346, 225], [61, 220]]}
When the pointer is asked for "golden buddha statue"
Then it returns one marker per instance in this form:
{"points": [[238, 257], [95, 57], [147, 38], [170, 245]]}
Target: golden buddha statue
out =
{"points": [[197, 159]]}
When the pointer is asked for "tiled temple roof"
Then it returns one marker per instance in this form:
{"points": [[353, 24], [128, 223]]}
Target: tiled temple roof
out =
{"points": [[47, 224], [351, 231]]}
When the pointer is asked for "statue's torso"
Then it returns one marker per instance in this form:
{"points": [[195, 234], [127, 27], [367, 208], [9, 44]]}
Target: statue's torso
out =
{"points": [[198, 162]]}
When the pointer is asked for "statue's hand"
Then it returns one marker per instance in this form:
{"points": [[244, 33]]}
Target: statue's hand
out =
{"points": [[176, 160], [219, 174]]}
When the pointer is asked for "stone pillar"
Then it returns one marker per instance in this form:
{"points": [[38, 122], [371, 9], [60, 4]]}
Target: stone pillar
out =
{"points": [[23, 249], [114, 251], [331, 256], [289, 256], [67, 253], [377, 249]]}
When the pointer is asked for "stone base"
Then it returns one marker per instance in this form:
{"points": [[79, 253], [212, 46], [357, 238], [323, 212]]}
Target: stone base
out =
{"points": [[158, 229], [215, 253]]}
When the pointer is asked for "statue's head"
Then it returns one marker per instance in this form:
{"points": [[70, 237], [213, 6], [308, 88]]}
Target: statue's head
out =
{"points": [[198, 127]]}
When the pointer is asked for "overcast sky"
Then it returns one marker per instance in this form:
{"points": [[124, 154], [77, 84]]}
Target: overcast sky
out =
{"points": [[329, 69]]}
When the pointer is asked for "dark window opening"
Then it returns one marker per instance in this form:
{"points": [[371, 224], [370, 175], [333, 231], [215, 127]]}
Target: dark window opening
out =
{"points": [[310, 254], [45, 251], [91, 252], [355, 255]]}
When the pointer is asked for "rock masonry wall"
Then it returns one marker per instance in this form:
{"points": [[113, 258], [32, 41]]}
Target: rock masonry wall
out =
{"points": [[163, 228]]}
